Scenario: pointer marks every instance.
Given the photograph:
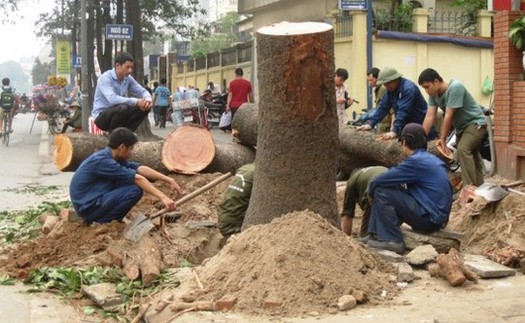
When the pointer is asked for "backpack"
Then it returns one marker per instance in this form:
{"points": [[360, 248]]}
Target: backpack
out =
{"points": [[7, 99]]}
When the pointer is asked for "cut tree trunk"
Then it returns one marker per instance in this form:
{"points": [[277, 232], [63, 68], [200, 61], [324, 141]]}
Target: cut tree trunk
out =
{"points": [[366, 145], [188, 150], [71, 149], [245, 123], [297, 141], [230, 157]]}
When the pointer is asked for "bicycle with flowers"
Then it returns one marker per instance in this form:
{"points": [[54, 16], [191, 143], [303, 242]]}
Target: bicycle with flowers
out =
{"points": [[47, 99]]}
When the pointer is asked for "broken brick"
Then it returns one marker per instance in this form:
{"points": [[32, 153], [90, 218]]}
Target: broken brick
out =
{"points": [[225, 303], [271, 303]]}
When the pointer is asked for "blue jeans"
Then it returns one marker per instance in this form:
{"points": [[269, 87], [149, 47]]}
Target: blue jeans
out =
{"points": [[113, 205], [393, 206]]}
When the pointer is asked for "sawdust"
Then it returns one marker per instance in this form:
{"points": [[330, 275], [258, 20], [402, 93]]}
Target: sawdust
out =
{"points": [[298, 260]]}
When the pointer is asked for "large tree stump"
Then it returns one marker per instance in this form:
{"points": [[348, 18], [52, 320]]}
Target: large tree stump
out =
{"points": [[245, 123], [188, 150], [297, 140], [72, 149], [230, 157]]}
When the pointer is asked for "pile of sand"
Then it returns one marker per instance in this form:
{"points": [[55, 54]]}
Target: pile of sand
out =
{"points": [[299, 260]]}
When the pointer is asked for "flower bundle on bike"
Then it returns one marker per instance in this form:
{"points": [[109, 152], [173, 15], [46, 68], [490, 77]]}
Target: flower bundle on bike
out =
{"points": [[47, 96]]}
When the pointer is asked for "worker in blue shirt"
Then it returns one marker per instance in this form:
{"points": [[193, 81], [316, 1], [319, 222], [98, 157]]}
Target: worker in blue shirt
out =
{"points": [[107, 185], [120, 101], [416, 192], [404, 97]]}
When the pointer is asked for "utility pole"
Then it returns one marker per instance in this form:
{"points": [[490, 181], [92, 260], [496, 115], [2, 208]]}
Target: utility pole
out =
{"points": [[86, 111]]}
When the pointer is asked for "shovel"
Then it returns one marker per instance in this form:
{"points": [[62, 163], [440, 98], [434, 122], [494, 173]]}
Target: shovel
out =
{"points": [[142, 223], [493, 193]]}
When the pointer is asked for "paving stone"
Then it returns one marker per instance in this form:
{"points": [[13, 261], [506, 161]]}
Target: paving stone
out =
{"points": [[486, 268], [105, 295], [422, 255], [404, 272]]}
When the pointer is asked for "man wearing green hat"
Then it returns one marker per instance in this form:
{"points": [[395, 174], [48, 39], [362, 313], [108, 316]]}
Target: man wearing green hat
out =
{"points": [[404, 97]]}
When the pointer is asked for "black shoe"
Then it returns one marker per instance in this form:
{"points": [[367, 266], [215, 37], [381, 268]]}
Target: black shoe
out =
{"points": [[398, 247]]}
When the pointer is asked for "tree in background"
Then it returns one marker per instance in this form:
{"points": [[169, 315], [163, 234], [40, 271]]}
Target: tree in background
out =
{"points": [[150, 18], [40, 72], [226, 34]]}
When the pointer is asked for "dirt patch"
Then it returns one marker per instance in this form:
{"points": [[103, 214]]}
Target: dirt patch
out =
{"points": [[298, 260], [494, 229]]}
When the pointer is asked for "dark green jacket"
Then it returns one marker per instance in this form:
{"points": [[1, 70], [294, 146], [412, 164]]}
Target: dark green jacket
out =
{"points": [[236, 200]]}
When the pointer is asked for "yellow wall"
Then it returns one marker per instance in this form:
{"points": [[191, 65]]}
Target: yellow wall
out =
{"points": [[200, 78]]}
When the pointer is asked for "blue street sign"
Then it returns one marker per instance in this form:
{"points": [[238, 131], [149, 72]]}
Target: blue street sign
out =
{"points": [[352, 4], [77, 61], [119, 32]]}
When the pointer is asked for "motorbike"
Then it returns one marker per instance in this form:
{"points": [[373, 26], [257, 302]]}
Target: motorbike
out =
{"points": [[215, 109], [486, 149], [57, 117], [189, 111]]}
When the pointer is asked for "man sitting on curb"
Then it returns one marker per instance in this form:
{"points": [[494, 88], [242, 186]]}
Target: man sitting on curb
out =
{"points": [[416, 192], [107, 185], [357, 192]]}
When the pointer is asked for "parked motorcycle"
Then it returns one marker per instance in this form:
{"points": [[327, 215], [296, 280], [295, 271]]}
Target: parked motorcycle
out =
{"points": [[57, 117], [486, 149], [215, 109]]}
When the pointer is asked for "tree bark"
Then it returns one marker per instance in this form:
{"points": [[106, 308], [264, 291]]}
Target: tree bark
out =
{"points": [[230, 157], [452, 268], [297, 140], [72, 149], [245, 123], [149, 259]]}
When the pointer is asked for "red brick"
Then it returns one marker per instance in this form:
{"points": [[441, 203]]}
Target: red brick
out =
{"points": [[226, 303], [268, 303]]}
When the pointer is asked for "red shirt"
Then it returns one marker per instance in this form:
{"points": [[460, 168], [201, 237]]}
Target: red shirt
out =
{"points": [[239, 89]]}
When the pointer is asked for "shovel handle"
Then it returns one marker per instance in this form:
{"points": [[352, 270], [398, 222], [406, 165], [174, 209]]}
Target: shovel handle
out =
{"points": [[193, 194], [515, 191], [203, 189]]}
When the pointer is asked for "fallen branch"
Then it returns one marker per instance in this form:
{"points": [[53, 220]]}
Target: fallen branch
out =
{"points": [[197, 279]]}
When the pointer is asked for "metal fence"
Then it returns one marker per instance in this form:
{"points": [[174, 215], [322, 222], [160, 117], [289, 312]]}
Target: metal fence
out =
{"points": [[343, 26], [452, 22]]}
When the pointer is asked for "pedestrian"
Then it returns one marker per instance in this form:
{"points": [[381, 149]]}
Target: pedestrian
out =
{"points": [[107, 185], [215, 89], [236, 199], [404, 97], [416, 192], [379, 91], [461, 112], [343, 101], [162, 101], [7, 104], [75, 121], [356, 192], [240, 92], [112, 108]]}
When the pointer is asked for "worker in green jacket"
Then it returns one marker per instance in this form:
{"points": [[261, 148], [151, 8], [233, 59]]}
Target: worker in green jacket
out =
{"points": [[233, 207], [357, 192]]}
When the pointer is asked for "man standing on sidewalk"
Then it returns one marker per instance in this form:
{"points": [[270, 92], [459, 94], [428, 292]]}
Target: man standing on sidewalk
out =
{"points": [[240, 92]]}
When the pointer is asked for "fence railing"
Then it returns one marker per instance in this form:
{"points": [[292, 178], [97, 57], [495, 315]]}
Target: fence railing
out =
{"points": [[452, 22]]}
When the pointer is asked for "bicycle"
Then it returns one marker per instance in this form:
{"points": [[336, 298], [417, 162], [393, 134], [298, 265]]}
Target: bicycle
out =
{"points": [[7, 126]]}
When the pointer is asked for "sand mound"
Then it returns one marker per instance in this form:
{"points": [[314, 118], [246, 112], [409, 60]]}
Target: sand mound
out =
{"points": [[299, 260]]}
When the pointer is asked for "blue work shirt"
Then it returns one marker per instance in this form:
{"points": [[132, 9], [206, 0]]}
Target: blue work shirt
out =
{"points": [[408, 103], [111, 91], [162, 94], [426, 179], [98, 175]]}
